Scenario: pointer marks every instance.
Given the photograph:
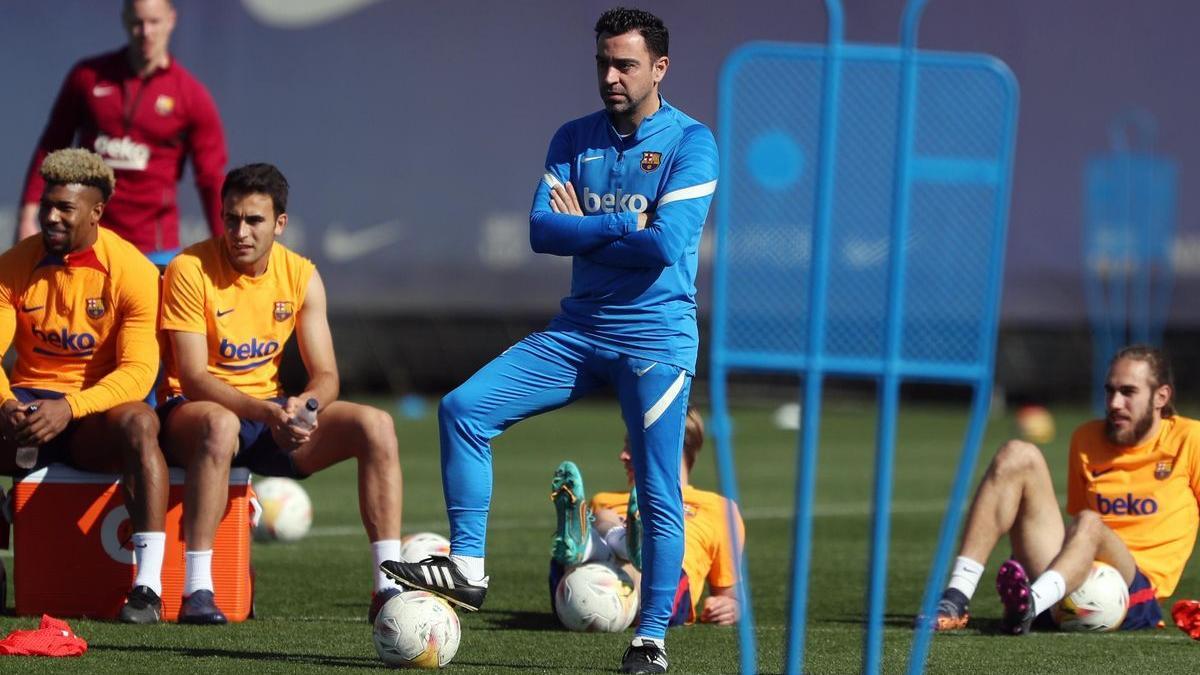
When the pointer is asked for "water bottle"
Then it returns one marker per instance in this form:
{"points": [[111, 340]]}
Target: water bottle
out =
{"points": [[27, 455], [306, 418]]}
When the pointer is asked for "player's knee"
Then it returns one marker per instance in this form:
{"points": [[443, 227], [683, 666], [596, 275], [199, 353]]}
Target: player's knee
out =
{"points": [[219, 434], [1017, 457], [455, 407], [1088, 524], [139, 428], [379, 431]]}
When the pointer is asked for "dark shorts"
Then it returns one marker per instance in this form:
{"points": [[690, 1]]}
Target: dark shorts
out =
{"points": [[57, 449], [1143, 611], [257, 449]]}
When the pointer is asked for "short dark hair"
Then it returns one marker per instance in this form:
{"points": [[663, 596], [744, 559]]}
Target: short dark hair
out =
{"points": [[1160, 370], [621, 20], [261, 178]]}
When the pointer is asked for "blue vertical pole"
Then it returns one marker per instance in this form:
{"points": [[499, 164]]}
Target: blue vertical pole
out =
{"points": [[722, 425], [815, 378]]}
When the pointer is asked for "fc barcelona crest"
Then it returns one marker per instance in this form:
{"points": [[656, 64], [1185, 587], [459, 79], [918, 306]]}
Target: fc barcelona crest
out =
{"points": [[283, 310], [163, 105], [1163, 469], [95, 307], [651, 160]]}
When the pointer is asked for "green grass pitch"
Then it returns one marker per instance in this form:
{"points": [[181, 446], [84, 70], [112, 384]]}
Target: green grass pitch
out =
{"points": [[312, 595]]}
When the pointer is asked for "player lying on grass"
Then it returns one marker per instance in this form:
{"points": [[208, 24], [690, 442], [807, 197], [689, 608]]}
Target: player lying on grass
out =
{"points": [[1133, 486], [80, 305], [229, 306], [608, 527]]}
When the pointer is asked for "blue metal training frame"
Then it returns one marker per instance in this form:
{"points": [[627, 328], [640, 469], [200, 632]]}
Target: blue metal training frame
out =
{"points": [[881, 259], [1129, 223]]}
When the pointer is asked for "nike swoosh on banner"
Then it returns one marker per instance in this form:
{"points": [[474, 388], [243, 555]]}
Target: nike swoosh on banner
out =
{"points": [[297, 14], [342, 245]]}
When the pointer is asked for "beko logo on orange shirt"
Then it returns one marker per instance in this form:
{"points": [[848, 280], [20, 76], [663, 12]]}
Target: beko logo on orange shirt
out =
{"points": [[65, 339], [1126, 505], [248, 350]]}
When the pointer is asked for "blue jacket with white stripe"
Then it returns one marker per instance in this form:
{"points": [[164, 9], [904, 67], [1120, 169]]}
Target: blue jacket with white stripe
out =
{"points": [[632, 291]]}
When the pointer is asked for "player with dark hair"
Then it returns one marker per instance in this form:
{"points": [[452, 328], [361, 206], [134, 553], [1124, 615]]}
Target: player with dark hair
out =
{"points": [[230, 304], [607, 527], [1133, 489], [625, 193], [144, 114], [80, 305]]}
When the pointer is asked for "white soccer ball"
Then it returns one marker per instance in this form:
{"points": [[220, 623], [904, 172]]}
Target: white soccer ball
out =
{"points": [[1098, 605], [596, 597], [416, 629], [419, 546], [286, 510]]}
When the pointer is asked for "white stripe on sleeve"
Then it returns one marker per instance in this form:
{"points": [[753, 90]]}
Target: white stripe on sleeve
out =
{"points": [[702, 190], [549, 179]]}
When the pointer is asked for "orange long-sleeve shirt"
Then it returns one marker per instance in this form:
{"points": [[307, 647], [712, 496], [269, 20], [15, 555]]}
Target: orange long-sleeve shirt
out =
{"points": [[82, 324]]}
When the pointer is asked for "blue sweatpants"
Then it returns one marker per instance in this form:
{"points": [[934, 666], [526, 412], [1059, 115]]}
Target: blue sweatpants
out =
{"points": [[546, 371]]}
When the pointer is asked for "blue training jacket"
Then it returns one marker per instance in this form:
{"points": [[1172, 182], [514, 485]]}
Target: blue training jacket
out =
{"points": [[632, 291]]}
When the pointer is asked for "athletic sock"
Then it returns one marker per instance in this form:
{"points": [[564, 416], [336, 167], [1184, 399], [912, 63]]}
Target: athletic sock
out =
{"points": [[383, 550], [965, 576], [148, 550], [597, 548], [198, 566], [615, 538], [1047, 590], [470, 567], [662, 644]]}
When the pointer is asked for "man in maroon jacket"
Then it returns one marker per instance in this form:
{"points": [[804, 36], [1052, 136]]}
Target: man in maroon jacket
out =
{"points": [[143, 113]]}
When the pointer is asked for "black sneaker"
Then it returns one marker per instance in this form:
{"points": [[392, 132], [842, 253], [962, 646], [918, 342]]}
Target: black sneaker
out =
{"points": [[200, 608], [952, 612], [438, 575], [1012, 583], [644, 656], [142, 605], [378, 600]]}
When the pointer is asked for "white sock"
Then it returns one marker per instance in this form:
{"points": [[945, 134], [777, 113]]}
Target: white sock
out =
{"points": [[965, 576], [148, 550], [1047, 590], [662, 644], [615, 538], [381, 550], [471, 568], [597, 548], [198, 577]]}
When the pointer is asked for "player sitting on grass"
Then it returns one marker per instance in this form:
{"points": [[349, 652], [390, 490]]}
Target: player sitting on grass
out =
{"points": [[615, 532], [80, 305], [1133, 486], [229, 306]]}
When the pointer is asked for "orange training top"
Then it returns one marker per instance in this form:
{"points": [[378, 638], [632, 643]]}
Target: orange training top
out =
{"points": [[247, 320], [1147, 494], [82, 324]]}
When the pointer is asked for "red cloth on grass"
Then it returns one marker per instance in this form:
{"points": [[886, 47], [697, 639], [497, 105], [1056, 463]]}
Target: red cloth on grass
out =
{"points": [[53, 638], [1187, 616]]}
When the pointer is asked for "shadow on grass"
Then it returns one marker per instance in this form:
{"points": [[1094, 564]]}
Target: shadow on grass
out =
{"points": [[976, 626], [307, 659], [537, 621]]}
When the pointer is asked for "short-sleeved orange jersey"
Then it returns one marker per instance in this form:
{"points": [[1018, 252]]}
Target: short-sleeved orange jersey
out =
{"points": [[708, 550], [247, 320], [1149, 494], [82, 324]]}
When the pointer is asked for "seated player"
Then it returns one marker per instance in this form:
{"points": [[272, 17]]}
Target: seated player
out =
{"points": [[229, 306], [602, 529], [1133, 486], [80, 304]]}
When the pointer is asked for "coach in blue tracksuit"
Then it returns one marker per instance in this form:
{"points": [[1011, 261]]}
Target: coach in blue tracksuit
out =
{"points": [[625, 193]]}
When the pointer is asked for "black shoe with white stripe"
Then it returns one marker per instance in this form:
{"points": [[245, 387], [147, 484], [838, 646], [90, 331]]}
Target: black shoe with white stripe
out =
{"points": [[438, 575], [644, 656]]}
